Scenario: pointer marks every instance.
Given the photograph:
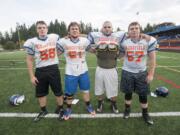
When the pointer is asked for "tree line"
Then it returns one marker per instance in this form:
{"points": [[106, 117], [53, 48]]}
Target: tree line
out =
{"points": [[15, 39]]}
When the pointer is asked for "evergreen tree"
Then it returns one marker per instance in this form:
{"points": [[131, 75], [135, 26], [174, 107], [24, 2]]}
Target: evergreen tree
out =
{"points": [[7, 36], [95, 30], [32, 31], [57, 27], [10, 45], [22, 32], [149, 28], [2, 40], [51, 27], [82, 26], [118, 29], [88, 28], [63, 29]]}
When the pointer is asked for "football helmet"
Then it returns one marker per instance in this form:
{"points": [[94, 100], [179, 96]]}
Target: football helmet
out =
{"points": [[162, 91], [16, 99]]}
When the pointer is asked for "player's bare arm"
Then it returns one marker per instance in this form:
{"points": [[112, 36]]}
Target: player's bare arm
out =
{"points": [[29, 60], [152, 65]]}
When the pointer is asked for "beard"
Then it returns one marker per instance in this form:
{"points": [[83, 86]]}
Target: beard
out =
{"points": [[107, 33]]}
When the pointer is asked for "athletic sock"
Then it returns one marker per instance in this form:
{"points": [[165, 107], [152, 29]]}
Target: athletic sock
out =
{"points": [[44, 109]]}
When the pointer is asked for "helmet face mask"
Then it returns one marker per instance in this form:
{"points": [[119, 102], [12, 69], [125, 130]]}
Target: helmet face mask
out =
{"points": [[162, 91]]}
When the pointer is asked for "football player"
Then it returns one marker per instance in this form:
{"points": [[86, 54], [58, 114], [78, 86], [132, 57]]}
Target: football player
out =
{"points": [[76, 73], [106, 44], [43, 49], [138, 50]]}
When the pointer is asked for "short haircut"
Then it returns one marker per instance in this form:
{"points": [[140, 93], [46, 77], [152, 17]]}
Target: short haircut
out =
{"points": [[41, 22], [74, 24], [107, 22], [134, 23]]}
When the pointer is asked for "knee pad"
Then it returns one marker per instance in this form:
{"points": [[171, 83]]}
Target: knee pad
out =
{"points": [[69, 96], [143, 99], [128, 96]]}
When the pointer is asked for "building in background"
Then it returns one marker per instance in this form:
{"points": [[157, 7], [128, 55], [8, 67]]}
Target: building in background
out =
{"points": [[168, 36]]}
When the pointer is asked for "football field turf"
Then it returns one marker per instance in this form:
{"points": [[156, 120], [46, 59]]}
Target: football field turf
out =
{"points": [[14, 79]]}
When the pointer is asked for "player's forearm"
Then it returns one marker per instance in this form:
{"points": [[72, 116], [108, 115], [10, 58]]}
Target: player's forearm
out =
{"points": [[152, 63], [29, 62], [151, 69]]}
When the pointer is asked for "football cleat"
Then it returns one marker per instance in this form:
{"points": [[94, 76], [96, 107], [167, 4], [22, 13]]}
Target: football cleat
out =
{"points": [[91, 110], [61, 114], [126, 113], [40, 116], [67, 114], [114, 108], [148, 119], [100, 107]]}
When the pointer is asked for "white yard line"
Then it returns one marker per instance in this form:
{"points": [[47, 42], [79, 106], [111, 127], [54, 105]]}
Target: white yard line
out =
{"points": [[165, 57], [171, 69], [13, 60], [5, 53], [159, 66], [104, 115]]}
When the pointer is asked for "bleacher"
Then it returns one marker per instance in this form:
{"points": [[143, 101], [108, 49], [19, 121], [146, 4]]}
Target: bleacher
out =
{"points": [[168, 36], [165, 27]]}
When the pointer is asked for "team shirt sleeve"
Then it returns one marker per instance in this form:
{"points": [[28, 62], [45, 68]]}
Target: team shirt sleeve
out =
{"points": [[91, 38], [152, 46], [29, 47], [121, 35], [87, 44], [60, 45]]}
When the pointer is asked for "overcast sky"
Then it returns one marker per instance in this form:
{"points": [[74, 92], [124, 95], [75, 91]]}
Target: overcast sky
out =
{"points": [[119, 12]]}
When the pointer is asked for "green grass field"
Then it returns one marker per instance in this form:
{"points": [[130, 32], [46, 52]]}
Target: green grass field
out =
{"points": [[14, 79]]}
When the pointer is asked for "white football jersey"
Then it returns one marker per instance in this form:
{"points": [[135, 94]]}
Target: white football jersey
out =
{"points": [[102, 41], [136, 53], [75, 55], [43, 50]]}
